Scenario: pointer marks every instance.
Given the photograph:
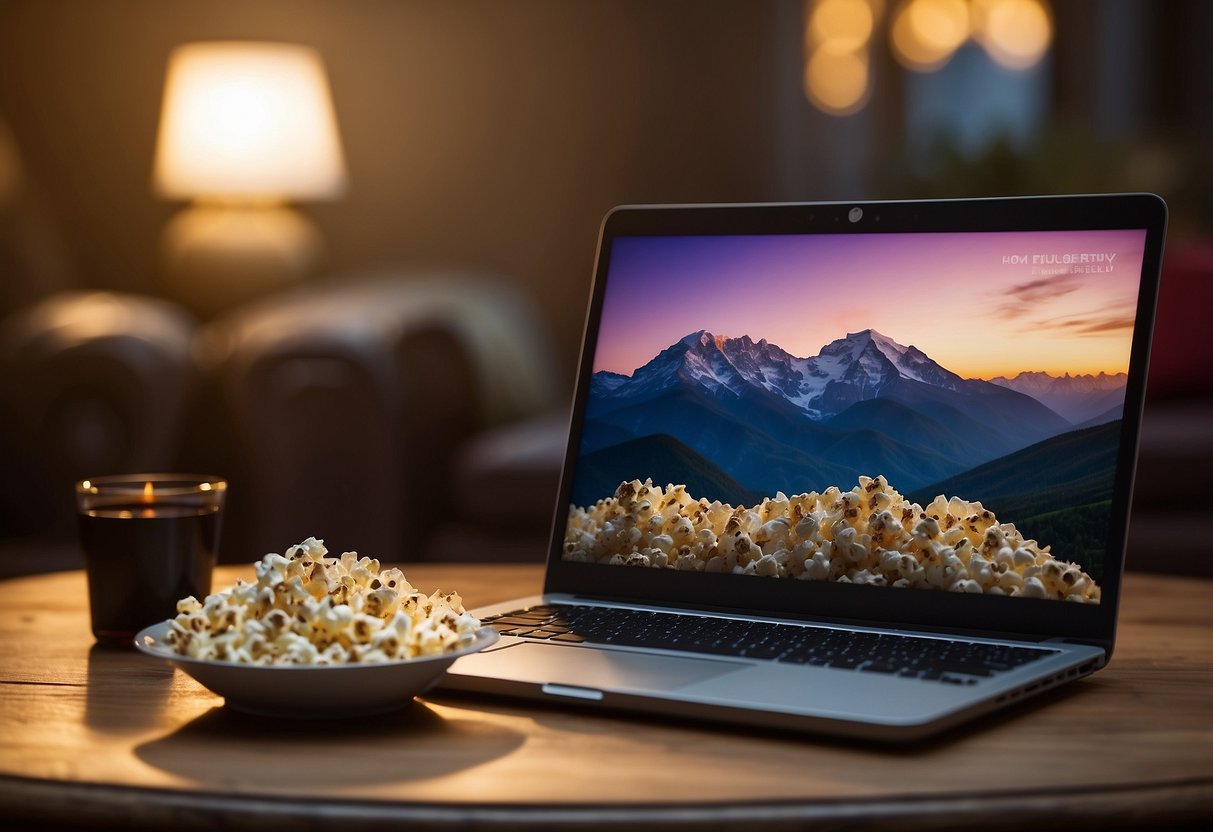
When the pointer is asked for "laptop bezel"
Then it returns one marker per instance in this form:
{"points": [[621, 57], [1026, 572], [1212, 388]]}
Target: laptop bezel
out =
{"points": [[876, 606]]}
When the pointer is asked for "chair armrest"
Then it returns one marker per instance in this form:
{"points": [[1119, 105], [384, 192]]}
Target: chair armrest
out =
{"points": [[93, 383], [350, 400]]}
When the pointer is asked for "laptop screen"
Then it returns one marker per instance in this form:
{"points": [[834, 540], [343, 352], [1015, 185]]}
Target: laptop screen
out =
{"points": [[934, 412]]}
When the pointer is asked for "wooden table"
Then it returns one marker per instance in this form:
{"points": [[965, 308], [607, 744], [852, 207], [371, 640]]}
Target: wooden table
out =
{"points": [[91, 735]]}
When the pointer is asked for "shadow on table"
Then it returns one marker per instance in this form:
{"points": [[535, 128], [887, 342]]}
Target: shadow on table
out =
{"points": [[572, 719], [120, 702], [227, 748]]}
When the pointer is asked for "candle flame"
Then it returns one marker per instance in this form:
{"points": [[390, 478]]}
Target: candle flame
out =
{"points": [[149, 495]]}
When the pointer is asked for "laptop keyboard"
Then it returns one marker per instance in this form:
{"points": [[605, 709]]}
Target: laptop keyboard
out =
{"points": [[932, 659]]}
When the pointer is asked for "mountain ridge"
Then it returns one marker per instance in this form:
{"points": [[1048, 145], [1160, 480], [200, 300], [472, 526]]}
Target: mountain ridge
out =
{"points": [[861, 366], [1079, 398]]}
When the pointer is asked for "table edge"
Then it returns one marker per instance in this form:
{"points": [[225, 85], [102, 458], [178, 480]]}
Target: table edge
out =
{"points": [[1176, 802]]}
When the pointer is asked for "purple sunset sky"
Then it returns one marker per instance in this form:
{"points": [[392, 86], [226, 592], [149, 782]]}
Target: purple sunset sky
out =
{"points": [[949, 294]]}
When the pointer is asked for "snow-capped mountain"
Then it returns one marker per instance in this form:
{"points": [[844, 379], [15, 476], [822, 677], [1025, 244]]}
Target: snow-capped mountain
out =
{"points": [[770, 420], [911, 362], [1078, 398], [715, 364], [847, 370]]}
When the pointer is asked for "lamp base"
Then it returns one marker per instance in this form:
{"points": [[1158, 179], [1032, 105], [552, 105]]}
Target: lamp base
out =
{"points": [[217, 257]]}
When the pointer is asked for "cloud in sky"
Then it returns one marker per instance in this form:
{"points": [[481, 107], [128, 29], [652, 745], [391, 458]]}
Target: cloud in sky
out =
{"points": [[1115, 317], [1023, 297], [1089, 327]]}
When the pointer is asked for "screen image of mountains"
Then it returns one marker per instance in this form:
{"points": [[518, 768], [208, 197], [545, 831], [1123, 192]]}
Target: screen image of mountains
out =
{"points": [[736, 420], [948, 366]]}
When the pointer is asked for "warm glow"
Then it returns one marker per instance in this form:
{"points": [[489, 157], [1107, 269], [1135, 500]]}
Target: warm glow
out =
{"points": [[149, 494], [1015, 33], [943, 24], [837, 82], [838, 34], [248, 121], [11, 173], [923, 35], [926, 33], [840, 25]]}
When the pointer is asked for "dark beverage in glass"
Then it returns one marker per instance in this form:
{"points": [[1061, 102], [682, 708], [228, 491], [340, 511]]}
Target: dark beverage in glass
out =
{"points": [[148, 541]]}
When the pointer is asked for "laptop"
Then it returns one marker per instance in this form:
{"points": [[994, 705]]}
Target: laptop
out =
{"points": [[855, 468]]}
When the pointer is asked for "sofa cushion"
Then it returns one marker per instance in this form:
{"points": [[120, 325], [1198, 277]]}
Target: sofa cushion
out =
{"points": [[506, 478]]}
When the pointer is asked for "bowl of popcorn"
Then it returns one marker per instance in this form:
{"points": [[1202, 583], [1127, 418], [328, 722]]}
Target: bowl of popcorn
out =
{"points": [[318, 636]]}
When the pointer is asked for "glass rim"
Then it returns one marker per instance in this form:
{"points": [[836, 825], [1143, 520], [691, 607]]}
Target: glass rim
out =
{"points": [[165, 484]]}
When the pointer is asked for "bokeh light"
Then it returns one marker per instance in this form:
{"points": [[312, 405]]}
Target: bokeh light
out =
{"points": [[840, 25], [837, 82], [923, 35], [838, 36], [1015, 33], [926, 33]]}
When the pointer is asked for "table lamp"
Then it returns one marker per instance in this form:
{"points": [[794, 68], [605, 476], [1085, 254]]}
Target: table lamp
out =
{"points": [[244, 127]]}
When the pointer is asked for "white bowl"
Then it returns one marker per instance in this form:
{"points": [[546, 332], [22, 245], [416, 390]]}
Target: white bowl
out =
{"points": [[314, 691]]}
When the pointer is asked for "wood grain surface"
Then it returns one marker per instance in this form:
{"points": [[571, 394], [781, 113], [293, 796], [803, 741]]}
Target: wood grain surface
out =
{"points": [[91, 735]]}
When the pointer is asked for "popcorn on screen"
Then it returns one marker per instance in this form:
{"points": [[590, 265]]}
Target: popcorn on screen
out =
{"points": [[868, 535], [309, 609]]}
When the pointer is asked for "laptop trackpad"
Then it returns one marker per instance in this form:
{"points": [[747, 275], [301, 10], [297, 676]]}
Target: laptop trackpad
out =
{"points": [[600, 669]]}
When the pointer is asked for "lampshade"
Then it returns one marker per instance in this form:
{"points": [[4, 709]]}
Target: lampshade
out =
{"points": [[247, 121]]}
